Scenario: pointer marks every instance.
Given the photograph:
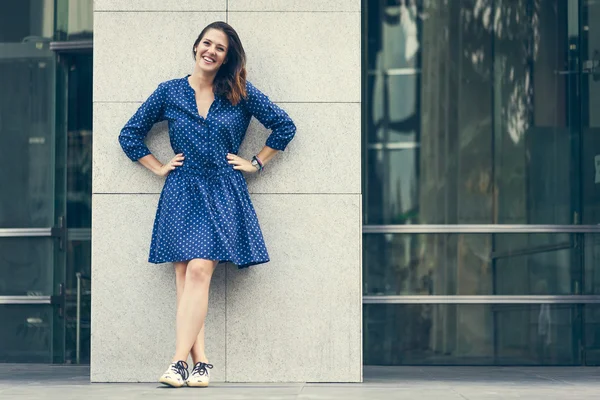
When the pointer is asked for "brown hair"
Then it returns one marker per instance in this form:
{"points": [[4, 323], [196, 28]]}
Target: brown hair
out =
{"points": [[231, 77]]}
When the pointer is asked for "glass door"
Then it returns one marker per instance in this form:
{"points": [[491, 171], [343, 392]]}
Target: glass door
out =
{"points": [[548, 263], [589, 84], [563, 173], [75, 96], [481, 185], [32, 206]]}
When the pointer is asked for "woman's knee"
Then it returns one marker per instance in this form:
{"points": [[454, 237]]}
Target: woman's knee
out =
{"points": [[180, 270], [199, 271]]}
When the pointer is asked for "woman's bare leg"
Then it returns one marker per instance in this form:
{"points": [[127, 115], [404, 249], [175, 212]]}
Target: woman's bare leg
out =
{"points": [[192, 305], [198, 351]]}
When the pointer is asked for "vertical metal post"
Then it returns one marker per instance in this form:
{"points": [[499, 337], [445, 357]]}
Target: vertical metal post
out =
{"points": [[78, 323]]}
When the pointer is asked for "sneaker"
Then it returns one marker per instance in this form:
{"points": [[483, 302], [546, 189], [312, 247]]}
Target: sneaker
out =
{"points": [[200, 375], [175, 375]]}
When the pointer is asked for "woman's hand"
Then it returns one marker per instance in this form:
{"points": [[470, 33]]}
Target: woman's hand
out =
{"points": [[175, 162], [240, 163]]}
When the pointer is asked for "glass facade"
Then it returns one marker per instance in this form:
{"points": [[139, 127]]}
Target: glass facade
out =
{"points": [[481, 181], [45, 201], [481, 334]]}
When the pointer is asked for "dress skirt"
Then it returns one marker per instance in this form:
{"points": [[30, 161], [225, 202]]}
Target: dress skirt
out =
{"points": [[207, 214]]}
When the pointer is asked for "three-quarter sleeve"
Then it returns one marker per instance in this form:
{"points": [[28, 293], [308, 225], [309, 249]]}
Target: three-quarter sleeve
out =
{"points": [[271, 116], [135, 130]]}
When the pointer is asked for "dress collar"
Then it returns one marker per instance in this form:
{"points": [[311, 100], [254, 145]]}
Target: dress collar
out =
{"points": [[192, 99]]}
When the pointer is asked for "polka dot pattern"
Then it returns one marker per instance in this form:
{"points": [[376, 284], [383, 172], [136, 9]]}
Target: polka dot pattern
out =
{"points": [[204, 210]]}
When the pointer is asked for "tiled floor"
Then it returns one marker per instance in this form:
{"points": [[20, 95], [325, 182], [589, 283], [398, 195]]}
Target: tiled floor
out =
{"points": [[380, 383]]}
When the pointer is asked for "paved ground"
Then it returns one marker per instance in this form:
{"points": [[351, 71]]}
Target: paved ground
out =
{"points": [[381, 383]]}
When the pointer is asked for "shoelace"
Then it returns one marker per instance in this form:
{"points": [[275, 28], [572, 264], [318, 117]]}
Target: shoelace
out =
{"points": [[181, 368], [200, 368]]}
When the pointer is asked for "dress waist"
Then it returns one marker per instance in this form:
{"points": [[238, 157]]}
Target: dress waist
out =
{"points": [[205, 171]]}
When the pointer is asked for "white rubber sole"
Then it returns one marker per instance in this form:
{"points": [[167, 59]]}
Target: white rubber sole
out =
{"points": [[197, 384], [170, 382]]}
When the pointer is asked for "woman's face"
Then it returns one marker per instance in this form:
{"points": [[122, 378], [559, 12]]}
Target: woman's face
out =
{"points": [[211, 51]]}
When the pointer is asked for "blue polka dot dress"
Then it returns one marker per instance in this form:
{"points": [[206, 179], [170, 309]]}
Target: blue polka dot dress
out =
{"points": [[204, 210]]}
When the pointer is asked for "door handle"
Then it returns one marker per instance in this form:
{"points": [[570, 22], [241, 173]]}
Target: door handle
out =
{"points": [[59, 300], [61, 232], [567, 72], [591, 67]]}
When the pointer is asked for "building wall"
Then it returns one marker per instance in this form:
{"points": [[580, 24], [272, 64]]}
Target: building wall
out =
{"points": [[297, 318]]}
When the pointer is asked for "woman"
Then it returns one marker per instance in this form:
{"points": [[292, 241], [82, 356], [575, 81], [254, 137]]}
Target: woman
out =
{"points": [[204, 214]]}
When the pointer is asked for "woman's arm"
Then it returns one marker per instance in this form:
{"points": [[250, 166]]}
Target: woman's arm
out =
{"points": [[131, 137], [134, 132], [271, 117], [266, 154]]}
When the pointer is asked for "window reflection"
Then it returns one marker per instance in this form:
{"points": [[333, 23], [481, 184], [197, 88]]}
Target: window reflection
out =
{"points": [[26, 135], [480, 264], [475, 334], [25, 266], [473, 92], [79, 142], [74, 19], [26, 20], [26, 334]]}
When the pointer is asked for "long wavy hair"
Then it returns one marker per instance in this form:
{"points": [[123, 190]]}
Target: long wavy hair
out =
{"points": [[231, 77]]}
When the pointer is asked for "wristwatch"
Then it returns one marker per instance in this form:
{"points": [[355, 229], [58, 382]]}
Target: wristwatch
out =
{"points": [[255, 164]]}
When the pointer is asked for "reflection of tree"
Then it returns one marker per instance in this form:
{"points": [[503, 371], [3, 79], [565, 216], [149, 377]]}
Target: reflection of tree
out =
{"points": [[475, 108], [505, 39], [484, 68], [385, 123]]}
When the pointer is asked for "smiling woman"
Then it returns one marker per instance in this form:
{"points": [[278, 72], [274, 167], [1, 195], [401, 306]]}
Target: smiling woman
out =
{"points": [[205, 216], [219, 50]]}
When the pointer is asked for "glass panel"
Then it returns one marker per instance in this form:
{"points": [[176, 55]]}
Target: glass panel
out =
{"points": [[590, 104], [79, 142], [79, 199], [479, 264], [26, 266], [22, 20], [592, 335], [79, 260], [393, 116], [391, 186], [27, 130], [486, 112], [482, 112], [30, 194], [79, 257], [26, 333], [592, 264], [74, 19], [393, 34], [472, 334]]}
